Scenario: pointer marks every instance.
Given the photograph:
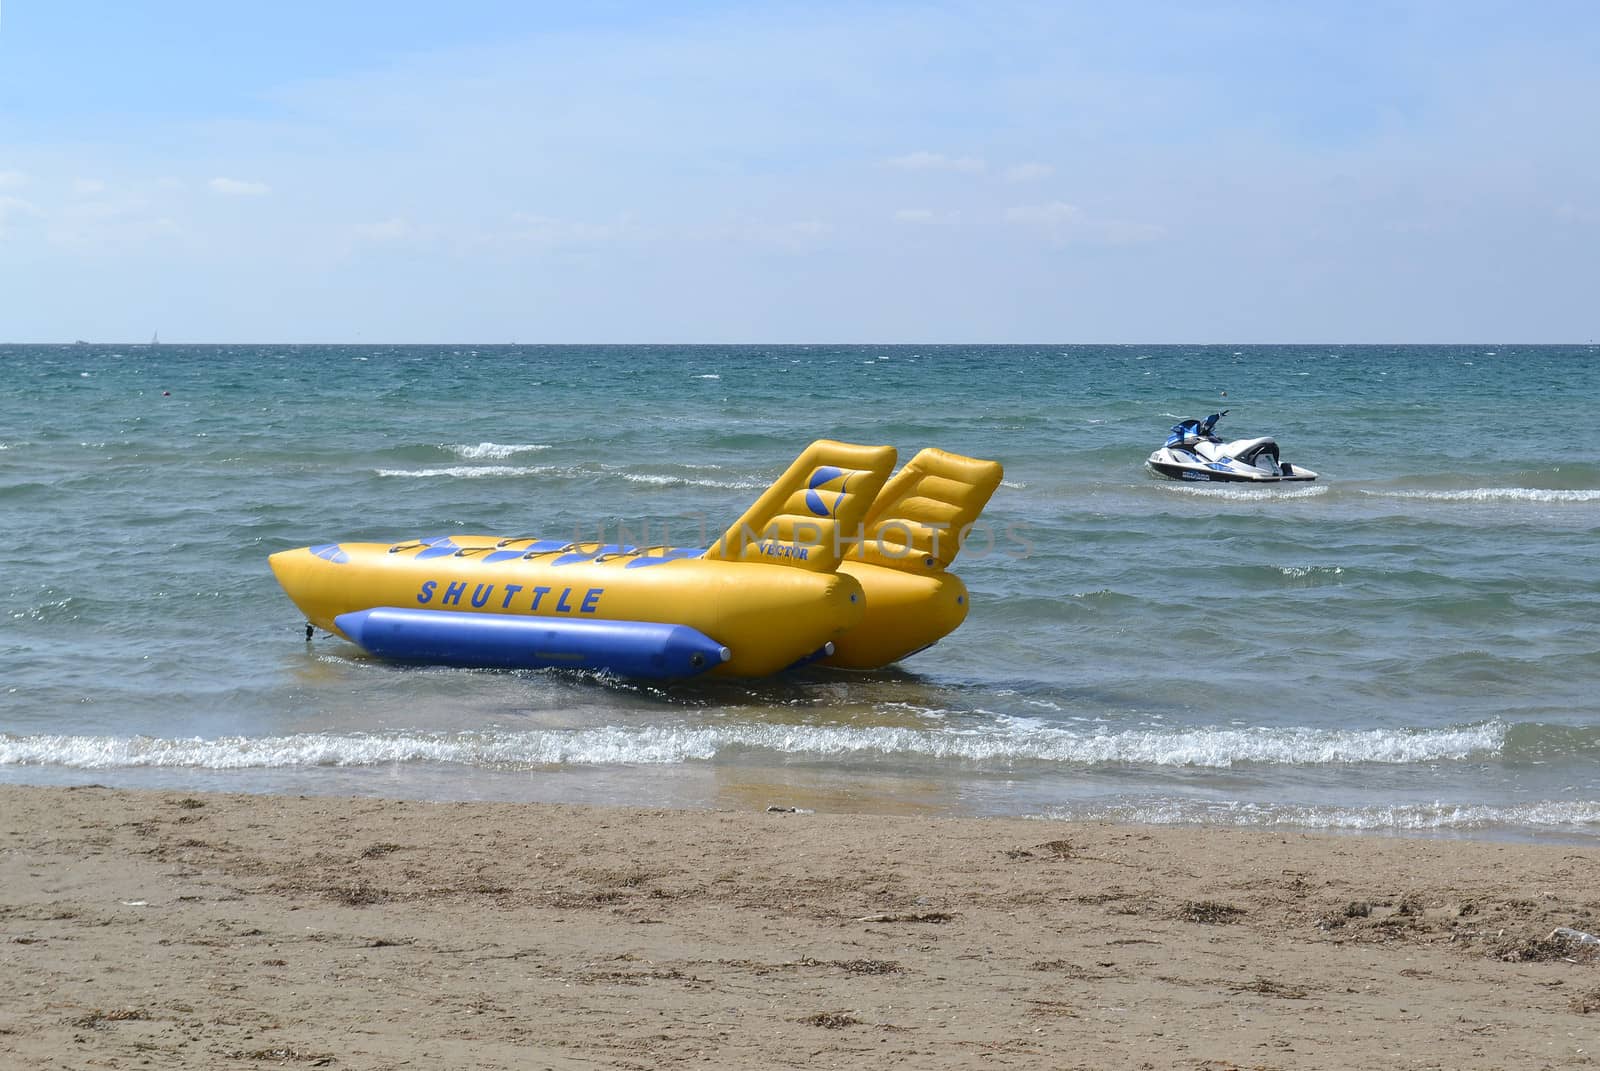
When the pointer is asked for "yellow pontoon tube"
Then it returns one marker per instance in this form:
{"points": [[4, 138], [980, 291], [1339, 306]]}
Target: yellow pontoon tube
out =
{"points": [[913, 532], [828, 563]]}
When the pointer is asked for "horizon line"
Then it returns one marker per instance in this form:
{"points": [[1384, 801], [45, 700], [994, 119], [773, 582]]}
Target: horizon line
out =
{"points": [[507, 345]]}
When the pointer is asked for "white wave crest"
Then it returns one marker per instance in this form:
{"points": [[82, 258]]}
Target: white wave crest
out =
{"points": [[1495, 494], [1215, 747], [479, 472], [494, 451], [1300, 572], [1544, 814], [656, 480], [468, 472]]}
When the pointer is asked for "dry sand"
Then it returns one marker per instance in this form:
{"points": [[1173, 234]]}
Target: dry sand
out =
{"points": [[163, 930]]}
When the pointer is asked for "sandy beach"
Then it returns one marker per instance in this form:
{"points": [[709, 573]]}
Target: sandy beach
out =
{"points": [[170, 930]]}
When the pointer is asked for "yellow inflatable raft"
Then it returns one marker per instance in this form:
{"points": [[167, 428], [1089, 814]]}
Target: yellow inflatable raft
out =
{"points": [[834, 562]]}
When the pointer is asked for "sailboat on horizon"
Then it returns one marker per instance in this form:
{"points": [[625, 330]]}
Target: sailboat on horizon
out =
{"points": [[155, 338]]}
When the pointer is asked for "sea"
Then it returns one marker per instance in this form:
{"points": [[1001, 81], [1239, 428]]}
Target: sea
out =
{"points": [[1409, 644]]}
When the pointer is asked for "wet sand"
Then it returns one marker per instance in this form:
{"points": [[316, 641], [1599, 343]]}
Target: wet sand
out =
{"points": [[167, 930]]}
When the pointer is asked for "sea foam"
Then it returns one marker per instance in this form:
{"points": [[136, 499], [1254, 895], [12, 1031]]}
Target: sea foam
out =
{"points": [[469, 472], [1420, 817], [647, 745], [1246, 492], [659, 480], [1495, 494], [494, 451]]}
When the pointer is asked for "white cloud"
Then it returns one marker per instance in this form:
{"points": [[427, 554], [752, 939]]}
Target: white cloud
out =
{"points": [[1126, 232], [1062, 223], [1054, 214], [548, 230], [521, 229], [793, 236], [1029, 172], [933, 161], [12, 180], [238, 187], [88, 186], [919, 217]]}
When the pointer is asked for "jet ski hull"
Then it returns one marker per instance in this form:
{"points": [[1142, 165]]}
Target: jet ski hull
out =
{"points": [[1162, 464]]}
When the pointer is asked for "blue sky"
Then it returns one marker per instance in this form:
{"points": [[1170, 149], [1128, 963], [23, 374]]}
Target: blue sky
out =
{"points": [[944, 172]]}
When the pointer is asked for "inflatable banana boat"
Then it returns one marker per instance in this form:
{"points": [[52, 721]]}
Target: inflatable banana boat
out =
{"points": [[835, 562]]}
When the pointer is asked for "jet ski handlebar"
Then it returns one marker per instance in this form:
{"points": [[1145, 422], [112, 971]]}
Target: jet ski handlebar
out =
{"points": [[1188, 432]]}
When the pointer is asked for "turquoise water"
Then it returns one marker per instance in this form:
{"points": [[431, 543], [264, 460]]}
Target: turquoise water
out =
{"points": [[1409, 643]]}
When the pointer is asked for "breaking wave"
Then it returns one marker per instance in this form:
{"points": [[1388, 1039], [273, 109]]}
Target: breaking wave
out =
{"points": [[654, 745], [1397, 818], [1494, 494], [494, 451], [657, 480], [1305, 572], [469, 472]]}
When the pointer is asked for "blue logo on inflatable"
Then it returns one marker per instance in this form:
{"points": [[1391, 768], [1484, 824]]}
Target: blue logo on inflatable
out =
{"points": [[784, 550], [825, 475]]}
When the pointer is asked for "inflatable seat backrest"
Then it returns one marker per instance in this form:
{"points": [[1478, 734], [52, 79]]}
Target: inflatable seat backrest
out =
{"points": [[815, 510], [923, 513]]}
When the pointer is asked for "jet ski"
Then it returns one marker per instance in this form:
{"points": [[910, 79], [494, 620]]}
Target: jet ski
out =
{"points": [[1193, 451]]}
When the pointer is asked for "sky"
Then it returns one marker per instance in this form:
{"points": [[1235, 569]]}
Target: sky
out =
{"points": [[818, 172]]}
